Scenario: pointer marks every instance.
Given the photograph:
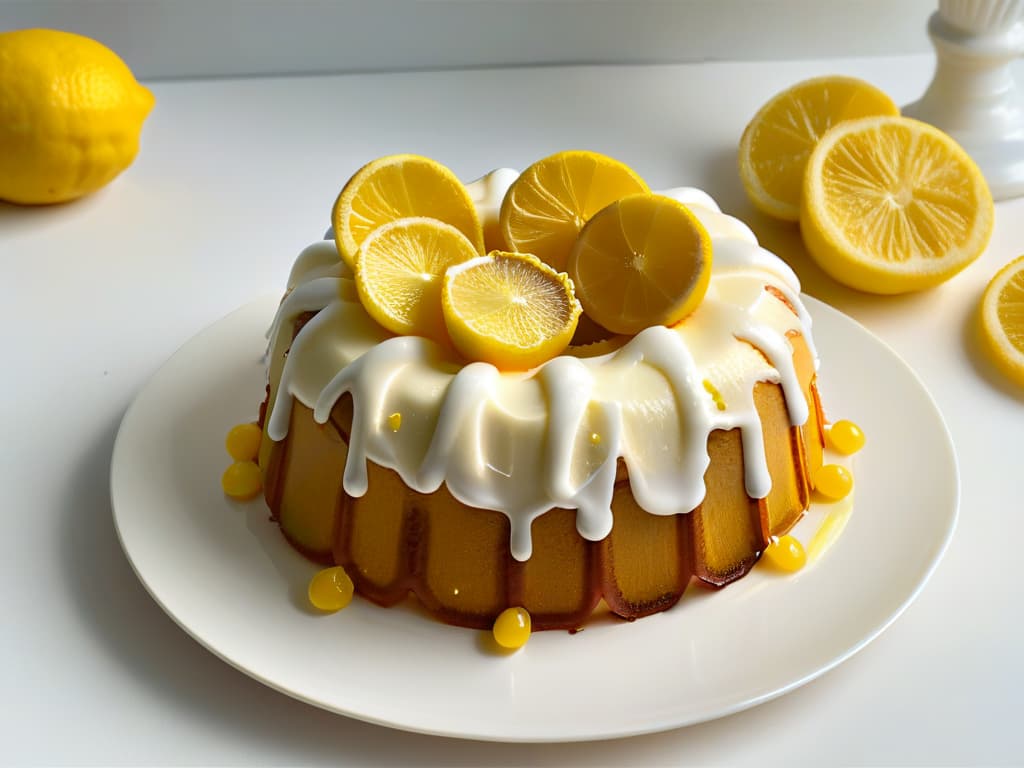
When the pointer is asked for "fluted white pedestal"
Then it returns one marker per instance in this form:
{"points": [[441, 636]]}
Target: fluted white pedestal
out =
{"points": [[973, 95]]}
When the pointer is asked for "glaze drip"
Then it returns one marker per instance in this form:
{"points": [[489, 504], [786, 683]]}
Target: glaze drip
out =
{"points": [[522, 443]]}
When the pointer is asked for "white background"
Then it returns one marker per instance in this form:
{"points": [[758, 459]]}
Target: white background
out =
{"points": [[175, 38], [234, 178]]}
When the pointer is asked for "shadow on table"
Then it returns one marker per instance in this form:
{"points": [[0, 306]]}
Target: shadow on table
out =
{"points": [[26, 218]]}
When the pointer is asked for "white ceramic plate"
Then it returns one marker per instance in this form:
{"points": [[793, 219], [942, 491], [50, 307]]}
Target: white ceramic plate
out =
{"points": [[225, 574]]}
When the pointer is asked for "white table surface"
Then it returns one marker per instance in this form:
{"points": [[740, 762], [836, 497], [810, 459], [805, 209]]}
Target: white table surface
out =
{"points": [[234, 178]]}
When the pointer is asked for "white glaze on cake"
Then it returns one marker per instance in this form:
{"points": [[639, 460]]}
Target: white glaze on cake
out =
{"points": [[523, 443]]}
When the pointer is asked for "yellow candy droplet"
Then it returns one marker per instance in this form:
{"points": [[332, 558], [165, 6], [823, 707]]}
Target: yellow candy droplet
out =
{"points": [[331, 589], [786, 554], [845, 437], [833, 481], [512, 628], [243, 442], [242, 480], [395, 421]]}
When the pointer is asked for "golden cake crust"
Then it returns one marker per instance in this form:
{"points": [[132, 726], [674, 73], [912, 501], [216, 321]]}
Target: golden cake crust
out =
{"points": [[455, 559]]}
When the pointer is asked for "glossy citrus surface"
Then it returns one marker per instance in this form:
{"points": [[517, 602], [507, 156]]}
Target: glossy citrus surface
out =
{"points": [[891, 205], [399, 271], [70, 116], [547, 205], [509, 309], [778, 140], [397, 187], [1002, 319], [643, 260]]}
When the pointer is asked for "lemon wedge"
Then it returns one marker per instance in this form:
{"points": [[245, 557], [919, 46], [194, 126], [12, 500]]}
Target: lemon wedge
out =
{"points": [[509, 309], [1002, 319], [398, 187], [779, 139], [644, 260], [891, 205], [400, 268], [547, 205]]}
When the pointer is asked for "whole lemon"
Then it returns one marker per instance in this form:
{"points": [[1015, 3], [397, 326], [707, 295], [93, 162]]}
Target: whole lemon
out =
{"points": [[70, 116]]}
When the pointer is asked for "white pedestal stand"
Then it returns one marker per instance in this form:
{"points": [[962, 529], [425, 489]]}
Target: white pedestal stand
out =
{"points": [[973, 95]]}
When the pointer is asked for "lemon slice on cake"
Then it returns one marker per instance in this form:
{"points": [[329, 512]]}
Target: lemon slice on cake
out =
{"points": [[400, 268], [397, 187], [547, 205], [644, 260], [509, 309], [779, 139], [1002, 319], [892, 205]]}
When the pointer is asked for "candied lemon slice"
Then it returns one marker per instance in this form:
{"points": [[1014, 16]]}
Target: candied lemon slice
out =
{"points": [[1002, 319], [399, 271], [547, 205], [644, 260], [509, 309], [779, 139], [891, 205], [398, 187]]}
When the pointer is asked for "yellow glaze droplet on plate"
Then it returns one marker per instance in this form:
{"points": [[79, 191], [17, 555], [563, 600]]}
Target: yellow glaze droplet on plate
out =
{"points": [[243, 442], [833, 481], [512, 628], [242, 480], [845, 437], [786, 554], [331, 589]]}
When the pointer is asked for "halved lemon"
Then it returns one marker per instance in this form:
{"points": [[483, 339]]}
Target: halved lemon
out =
{"points": [[892, 205], [779, 139], [398, 187], [509, 309], [400, 268], [644, 260], [1002, 319], [547, 205]]}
